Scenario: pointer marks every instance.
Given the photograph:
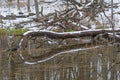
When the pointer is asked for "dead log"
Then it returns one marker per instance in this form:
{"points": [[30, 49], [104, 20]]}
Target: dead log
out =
{"points": [[65, 35]]}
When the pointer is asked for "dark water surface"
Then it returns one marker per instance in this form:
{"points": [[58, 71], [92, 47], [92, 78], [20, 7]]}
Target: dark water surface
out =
{"points": [[92, 64]]}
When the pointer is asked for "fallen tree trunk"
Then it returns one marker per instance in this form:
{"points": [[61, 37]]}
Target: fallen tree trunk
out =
{"points": [[65, 35]]}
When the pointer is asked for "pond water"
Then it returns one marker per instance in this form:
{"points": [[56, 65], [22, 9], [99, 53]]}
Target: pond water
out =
{"points": [[98, 63]]}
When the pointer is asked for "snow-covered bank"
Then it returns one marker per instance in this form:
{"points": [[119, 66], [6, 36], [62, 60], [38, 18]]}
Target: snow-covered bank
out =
{"points": [[57, 5]]}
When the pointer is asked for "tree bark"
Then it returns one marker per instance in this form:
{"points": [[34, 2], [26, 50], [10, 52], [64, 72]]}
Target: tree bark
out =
{"points": [[28, 5], [36, 8], [18, 4], [65, 35]]}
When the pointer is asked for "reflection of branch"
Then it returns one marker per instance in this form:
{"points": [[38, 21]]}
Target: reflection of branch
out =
{"points": [[53, 53], [113, 65]]}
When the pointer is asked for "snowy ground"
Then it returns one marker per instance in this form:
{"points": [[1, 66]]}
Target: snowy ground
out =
{"points": [[49, 8], [6, 9]]}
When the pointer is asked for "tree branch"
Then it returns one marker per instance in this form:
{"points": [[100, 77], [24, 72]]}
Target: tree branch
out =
{"points": [[65, 35]]}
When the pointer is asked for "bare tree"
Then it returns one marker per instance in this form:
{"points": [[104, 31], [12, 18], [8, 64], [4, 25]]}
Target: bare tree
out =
{"points": [[112, 23], [18, 4], [36, 8], [28, 5]]}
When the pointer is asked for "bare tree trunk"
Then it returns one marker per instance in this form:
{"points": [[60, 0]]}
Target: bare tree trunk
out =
{"points": [[28, 5], [1, 18], [112, 23], [18, 4], [36, 8]]}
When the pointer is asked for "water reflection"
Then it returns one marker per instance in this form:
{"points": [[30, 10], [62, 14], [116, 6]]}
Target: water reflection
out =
{"points": [[99, 67], [101, 63]]}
